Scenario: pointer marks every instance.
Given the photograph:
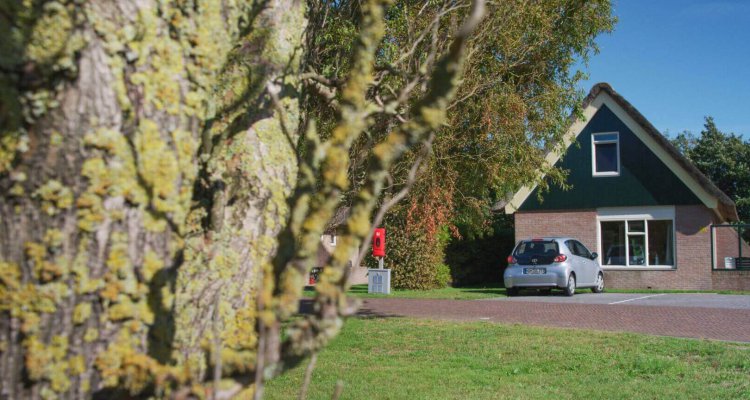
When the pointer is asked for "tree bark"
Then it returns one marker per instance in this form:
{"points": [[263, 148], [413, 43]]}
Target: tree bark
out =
{"points": [[147, 151]]}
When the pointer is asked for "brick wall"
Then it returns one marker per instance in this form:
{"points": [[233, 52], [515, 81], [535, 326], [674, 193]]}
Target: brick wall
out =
{"points": [[730, 280], [727, 245], [577, 224], [693, 248]]}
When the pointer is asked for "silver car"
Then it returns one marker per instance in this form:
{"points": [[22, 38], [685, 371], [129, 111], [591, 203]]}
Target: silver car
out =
{"points": [[553, 262]]}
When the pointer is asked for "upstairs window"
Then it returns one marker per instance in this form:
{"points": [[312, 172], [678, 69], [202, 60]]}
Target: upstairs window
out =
{"points": [[606, 154]]}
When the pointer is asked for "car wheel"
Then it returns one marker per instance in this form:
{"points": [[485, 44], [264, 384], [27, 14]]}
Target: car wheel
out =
{"points": [[511, 292], [571, 288], [599, 284]]}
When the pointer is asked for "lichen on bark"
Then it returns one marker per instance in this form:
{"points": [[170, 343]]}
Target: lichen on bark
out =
{"points": [[149, 161], [104, 108]]}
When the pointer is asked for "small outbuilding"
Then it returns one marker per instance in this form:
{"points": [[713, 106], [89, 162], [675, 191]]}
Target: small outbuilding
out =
{"points": [[654, 219], [356, 274]]}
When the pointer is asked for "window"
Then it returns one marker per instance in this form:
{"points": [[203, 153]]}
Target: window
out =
{"points": [[637, 243], [606, 154], [581, 250], [537, 248], [332, 238]]}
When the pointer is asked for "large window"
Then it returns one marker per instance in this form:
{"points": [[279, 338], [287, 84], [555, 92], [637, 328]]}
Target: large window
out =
{"points": [[606, 154], [637, 243]]}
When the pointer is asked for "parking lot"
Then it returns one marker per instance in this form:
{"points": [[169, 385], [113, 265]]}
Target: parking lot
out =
{"points": [[691, 315], [703, 300]]}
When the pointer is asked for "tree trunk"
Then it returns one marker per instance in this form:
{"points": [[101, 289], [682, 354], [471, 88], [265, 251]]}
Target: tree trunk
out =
{"points": [[146, 155]]}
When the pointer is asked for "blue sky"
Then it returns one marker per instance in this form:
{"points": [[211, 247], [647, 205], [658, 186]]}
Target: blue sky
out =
{"points": [[677, 61]]}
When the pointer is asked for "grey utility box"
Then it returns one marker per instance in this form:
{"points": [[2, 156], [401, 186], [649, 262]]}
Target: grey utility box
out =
{"points": [[379, 281]]}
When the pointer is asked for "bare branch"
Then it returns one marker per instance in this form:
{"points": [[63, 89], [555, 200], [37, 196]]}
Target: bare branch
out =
{"points": [[338, 390], [308, 335], [308, 376], [314, 76], [392, 201]]}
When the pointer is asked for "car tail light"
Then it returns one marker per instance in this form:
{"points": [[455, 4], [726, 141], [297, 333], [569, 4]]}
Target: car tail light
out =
{"points": [[511, 260], [561, 258]]}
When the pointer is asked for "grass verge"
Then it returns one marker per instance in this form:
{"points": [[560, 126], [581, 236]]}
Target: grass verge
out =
{"points": [[421, 359], [461, 293]]}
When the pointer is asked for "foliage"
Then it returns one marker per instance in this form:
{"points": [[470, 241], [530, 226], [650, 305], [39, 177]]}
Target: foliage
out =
{"points": [[476, 259], [442, 275], [167, 187], [421, 359], [516, 99], [724, 158], [513, 108], [414, 256]]}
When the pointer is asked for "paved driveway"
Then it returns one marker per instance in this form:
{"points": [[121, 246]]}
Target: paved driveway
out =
{"points": [[703, 300], [696, 316]]}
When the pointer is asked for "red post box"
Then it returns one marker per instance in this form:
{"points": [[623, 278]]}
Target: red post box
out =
{"points": [[378, 243]]}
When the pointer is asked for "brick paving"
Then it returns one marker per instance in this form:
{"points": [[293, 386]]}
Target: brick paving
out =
{"points": [[689, 322]]}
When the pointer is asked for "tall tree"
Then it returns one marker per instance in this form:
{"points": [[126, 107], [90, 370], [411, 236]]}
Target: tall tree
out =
{"points": [[148, 163], [724, 158], [512, 107]]}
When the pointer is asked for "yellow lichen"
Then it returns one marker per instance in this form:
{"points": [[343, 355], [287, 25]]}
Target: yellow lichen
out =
{"points": [[81, 313], [53, 238], [152, 263], [90, 335], [158, 167], [54, 196], [48, 362]]}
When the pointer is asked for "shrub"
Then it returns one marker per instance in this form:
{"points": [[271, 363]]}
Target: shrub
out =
{"points": [[442, 275]]}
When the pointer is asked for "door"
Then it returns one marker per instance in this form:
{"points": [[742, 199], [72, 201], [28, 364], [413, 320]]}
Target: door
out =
{"points": [[578, 263], [592, 267]]}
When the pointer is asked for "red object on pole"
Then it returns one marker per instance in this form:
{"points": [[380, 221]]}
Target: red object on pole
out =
{"points": [[378, 243]]}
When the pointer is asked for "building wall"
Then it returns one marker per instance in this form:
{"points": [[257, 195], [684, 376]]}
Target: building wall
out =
{"points": [[727, 243], [693, 249], [644, 180], [730, 280], [577, 224]]}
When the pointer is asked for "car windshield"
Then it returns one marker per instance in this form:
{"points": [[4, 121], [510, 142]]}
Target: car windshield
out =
{"points": [[537, 248]]}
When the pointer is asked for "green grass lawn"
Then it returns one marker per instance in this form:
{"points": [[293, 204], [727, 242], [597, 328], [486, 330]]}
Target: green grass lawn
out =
{"points": [[420, 359], [489, 291], [462, 293]]}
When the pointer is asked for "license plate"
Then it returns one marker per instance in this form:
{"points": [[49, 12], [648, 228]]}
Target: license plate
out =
{"points": [[535, 271]]}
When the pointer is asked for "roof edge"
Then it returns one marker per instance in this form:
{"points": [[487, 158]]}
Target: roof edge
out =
{"points": [[726, 209]]}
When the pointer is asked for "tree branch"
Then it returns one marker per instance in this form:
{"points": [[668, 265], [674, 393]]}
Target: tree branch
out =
{"points": [[308, 335], [389, 203]]}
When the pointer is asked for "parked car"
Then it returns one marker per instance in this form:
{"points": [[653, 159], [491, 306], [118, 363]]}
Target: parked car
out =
{"points": [[553, 262]]}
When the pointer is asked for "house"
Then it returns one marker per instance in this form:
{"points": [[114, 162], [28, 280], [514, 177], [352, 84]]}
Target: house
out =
{"points": [[328, 241], [654, 219]]}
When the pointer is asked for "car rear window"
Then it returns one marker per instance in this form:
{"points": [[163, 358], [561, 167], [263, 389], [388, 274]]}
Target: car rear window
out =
{"points": [[537, 248]]}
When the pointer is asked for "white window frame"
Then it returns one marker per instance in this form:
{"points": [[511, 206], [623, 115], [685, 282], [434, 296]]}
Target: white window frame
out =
{"points": [[594, 142], [657, 213]]}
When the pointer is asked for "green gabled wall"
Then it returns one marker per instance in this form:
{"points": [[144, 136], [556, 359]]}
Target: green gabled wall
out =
{"points": [[643, 181]]}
